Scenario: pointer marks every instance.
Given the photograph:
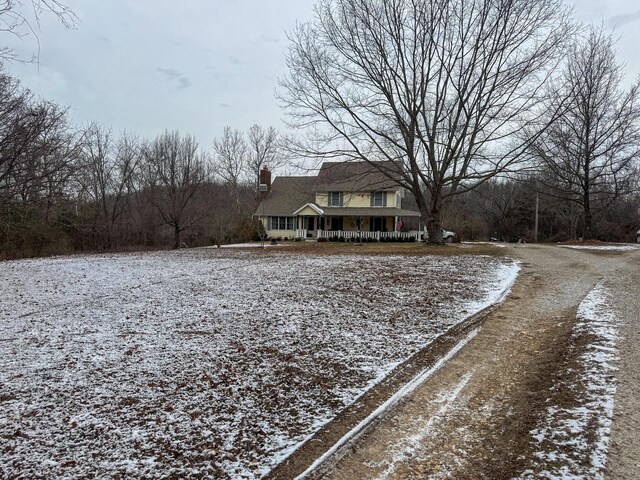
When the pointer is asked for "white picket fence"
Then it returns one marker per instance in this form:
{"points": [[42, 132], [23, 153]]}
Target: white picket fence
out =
{"points": [[335, 234]]}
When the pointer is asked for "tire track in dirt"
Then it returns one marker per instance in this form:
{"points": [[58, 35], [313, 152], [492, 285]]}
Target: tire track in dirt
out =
{"points": [[509, 369], [347, 420]]}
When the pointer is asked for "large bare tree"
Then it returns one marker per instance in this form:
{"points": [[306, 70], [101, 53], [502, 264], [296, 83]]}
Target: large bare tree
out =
{"points": [[263, 151], [591, 151], [37, 148], [441, 87], [230, 162], [108, 171], [176, 172], [20, 125]]}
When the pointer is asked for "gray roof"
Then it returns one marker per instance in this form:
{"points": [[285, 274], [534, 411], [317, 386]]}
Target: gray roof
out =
{"points": [[356, 176], [287, 195], [368, 212]]}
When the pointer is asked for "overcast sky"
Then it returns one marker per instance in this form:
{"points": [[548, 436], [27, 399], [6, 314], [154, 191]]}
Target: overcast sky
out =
{"points": [[198, 65]]}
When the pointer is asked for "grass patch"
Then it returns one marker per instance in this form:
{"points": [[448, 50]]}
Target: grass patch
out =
{"points": [[416, 249]]}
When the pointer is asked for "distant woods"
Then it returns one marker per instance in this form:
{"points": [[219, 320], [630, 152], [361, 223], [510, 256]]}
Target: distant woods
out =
{"points": [[65, 189], [493, 109]]}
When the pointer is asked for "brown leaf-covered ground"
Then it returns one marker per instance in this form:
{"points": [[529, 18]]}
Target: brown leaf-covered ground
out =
{"points": [[211, 363]]}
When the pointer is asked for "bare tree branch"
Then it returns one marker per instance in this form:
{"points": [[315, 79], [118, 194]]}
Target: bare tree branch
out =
{"points": [[592, 150], [443, 86]]}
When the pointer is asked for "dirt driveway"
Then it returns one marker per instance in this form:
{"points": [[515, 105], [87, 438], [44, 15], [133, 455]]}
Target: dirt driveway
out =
{"points": [[473, 417]]}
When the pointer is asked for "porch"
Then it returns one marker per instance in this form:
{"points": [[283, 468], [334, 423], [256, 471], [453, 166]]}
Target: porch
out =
{"points": [[349, 235], [332, 223]]}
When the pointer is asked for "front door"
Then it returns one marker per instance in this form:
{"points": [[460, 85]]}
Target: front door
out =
{"points": [[336, 223], [311, 223], [378, 224]]}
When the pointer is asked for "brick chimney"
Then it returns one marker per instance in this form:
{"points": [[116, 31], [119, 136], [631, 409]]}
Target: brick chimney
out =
{"points": [[265, 179]]}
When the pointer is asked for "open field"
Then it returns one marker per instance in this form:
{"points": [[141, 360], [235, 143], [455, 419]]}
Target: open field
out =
{"points": [[210, 363]]}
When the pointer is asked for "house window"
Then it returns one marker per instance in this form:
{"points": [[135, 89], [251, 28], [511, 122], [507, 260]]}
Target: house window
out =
{"points": [[336, 199], [378, 199], [282, 223]]}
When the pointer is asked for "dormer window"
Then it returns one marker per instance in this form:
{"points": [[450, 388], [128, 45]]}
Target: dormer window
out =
{"points": [[378, 199], [336, 199]]}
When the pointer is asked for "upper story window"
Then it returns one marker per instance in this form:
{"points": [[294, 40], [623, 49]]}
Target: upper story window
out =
{"points": [[378, 199], [336, 199]]}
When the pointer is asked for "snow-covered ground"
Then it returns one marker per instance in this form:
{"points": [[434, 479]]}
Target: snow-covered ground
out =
{"points": [[573, 441], [207, 363], [621, 248]]}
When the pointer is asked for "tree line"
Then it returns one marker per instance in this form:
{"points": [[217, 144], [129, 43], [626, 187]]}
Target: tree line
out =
{"points": [[505, 209], [494, 109], [66, 188]]}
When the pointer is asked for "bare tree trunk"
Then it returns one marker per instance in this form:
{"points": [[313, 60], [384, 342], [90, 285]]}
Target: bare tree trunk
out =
{"points": [[176, 237], [587, 217], [434, 228]]}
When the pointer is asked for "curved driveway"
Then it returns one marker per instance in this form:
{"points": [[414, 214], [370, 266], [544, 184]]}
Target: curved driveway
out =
{"points": [[472, 419]]}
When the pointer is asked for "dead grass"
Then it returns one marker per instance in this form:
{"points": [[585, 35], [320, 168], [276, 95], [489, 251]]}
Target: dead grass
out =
{"points": [[415, 249]]}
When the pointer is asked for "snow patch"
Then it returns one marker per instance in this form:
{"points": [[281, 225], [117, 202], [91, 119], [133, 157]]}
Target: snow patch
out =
{"points": [[252, 245], [424, 428], [573, 442], [621, 248]]}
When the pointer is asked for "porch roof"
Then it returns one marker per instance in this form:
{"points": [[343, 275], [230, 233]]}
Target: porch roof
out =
{"points": [[312, 206], [368, 212]]}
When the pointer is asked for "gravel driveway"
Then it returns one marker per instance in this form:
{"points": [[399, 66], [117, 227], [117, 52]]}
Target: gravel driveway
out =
{"points": [[481, 414]]}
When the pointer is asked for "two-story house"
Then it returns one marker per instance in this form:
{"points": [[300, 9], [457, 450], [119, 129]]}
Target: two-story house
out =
{"points": [[345, 199]]}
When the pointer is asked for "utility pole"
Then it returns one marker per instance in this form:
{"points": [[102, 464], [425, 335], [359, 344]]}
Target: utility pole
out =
{"points": [[535, 230]]}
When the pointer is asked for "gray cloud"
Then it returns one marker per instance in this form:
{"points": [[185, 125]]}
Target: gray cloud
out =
{"points": [[175, 76], [234, 60], [265, 38], [224, 105], [620, 20]]}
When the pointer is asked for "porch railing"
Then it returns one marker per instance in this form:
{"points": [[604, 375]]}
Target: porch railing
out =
{"points": [[347, 235], [301, 233]]}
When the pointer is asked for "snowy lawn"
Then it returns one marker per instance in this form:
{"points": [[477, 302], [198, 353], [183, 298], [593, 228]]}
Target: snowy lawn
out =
{"points": [[208, 363]]}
